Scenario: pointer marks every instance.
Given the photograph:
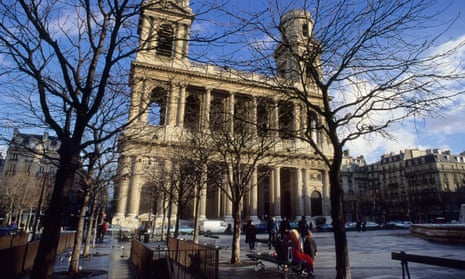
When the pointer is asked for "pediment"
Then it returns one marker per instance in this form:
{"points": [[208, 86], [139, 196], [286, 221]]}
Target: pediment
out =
{"points": [[170, 6]]}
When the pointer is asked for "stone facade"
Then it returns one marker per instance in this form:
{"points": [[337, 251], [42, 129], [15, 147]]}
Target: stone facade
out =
{"points": [[415, 184], [173, 97], [30, 170]]}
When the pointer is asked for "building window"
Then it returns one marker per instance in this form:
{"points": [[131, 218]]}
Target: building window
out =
{"points": [[192, 113], [264, 109], [157, 107], [217, 112], [305, 30], [286, 120], [14, 157], [165, 40], [312, 125]]}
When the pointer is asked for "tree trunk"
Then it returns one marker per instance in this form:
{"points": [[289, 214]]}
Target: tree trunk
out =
{"points": [[91, 229], [196, 217], [337, 212], [53, 218], [236, 241], [74, 264]]}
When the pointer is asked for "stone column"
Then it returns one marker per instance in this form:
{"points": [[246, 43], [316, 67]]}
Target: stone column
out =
{"points": [[178, 49], [253, 117], [272, 191], [297, 119], [277, 191], [203, 194], [299, 195], [123, 190], [253, 196], [275, 118], [174, 207], [231, 111], [306, 191], [228, 203], [206, 109], [326, 192], [181, 105], [137, 96], [134, 194], [172, 105]]}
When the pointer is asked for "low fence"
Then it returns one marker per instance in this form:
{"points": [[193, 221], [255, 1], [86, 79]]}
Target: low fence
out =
{"points": [[17, 239], [142, 259], [405, 258], [196, 258], [19, 259], [181, 259]]}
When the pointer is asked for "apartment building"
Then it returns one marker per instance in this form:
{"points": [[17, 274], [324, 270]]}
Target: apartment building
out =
{"points": [[27, 175], [414, 184]]}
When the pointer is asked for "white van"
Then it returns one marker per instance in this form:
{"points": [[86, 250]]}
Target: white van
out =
{"points": [[212, 226]]}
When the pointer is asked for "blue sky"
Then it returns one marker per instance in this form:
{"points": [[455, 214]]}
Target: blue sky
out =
{"points": [[446, 132]]}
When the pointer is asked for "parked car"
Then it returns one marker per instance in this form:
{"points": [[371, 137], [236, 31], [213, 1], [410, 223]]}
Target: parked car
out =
{"points": [[396, 224], [369, 225], [7, 231], [403, 225], [212, 226], [185, 229], [351, 226], [325, 228]]}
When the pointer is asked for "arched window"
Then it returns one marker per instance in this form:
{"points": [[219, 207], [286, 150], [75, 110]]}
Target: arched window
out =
{"points": [[157, 108], [317, 205], [165, 40]]}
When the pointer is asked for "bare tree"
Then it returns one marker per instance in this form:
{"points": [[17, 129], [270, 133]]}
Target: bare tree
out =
{"points": [[240, 152], [20, 192], [67, 65], [196, 155], [359, 68], [93, 179]]}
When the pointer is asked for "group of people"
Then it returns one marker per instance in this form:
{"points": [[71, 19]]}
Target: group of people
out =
{"points": [[303, 246]]}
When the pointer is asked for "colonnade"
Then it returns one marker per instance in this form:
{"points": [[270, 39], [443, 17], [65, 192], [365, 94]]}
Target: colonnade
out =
{"points": [[287, 192]]}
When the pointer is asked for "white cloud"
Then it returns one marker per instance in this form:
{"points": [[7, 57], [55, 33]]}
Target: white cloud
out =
{"points": [[444, 132]]}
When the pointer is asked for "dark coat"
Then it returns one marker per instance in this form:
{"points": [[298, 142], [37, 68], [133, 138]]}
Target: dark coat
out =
{"points": [[310, 247], [250, 233]]}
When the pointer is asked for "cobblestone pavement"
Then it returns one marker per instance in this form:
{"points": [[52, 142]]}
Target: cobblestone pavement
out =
{"points": [[370, 257]]}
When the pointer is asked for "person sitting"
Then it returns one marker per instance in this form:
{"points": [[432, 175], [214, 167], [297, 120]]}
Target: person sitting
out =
{"points": [[298, 255]]}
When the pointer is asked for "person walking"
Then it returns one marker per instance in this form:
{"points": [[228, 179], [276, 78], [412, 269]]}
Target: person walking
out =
{"points": [[303, 226], [310, 247], [272, 229], [284, 227], [250, 234]]}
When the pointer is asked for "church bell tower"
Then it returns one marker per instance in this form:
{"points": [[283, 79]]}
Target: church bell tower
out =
{"points": [[297, 56], [164, 31]]}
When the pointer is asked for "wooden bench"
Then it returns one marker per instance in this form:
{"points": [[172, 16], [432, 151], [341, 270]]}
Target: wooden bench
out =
{"points": [[404, 258]]}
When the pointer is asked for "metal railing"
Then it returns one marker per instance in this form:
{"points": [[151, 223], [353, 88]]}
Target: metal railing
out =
{"points": [[405, 258], [180, 259], [195, 258]]}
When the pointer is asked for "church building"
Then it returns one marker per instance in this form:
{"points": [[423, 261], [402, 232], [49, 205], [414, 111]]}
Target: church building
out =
{"points": [[173, 96]]}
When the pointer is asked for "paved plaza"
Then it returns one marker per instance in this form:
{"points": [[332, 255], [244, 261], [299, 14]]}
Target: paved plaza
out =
{"points": [[370, 257]]}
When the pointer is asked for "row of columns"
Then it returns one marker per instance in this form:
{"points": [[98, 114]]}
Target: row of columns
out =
{"points": [[129, 194], [176, 104], [301, 196]]}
